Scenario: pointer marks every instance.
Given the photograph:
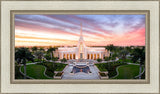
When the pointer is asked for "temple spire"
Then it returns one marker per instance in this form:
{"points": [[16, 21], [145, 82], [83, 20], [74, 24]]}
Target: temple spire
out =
{"points": [[81, 29]]}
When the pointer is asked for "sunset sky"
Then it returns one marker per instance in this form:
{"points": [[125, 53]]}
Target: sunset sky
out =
{"points": [[64, 30]]}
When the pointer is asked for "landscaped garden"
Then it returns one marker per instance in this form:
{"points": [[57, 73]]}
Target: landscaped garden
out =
{"points": [[40, 64], [51, 67], [128, 72], [18, 74], [110, 67], [35, 71], [125, 71]]}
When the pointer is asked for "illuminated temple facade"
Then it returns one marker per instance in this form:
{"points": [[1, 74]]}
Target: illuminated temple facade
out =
{"points": [[81, 51]]}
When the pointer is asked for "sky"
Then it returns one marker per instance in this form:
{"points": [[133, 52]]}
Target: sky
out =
{"points": [[64, 30]]}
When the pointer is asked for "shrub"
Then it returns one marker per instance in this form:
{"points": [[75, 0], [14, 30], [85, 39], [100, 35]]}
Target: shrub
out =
{"points": [[99, 60], [51, 67], [59, 74], [107, 58], [29, 62], [63, 60], [102, 74], [36, 60], [55, 58], [48, 57], [18, 74], [110, 67]]}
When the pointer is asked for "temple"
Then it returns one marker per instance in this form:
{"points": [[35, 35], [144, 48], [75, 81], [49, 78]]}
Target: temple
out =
{"points": [[81, 51]]}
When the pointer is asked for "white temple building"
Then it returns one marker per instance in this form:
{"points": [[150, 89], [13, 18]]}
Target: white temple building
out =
{"points": [[81, 51]]}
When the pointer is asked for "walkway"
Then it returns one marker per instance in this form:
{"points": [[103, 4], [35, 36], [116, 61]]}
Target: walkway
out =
{"points": [[80, 75]]}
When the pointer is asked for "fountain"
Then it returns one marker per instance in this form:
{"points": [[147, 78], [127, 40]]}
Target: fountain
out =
{"points": [[81, 67]]}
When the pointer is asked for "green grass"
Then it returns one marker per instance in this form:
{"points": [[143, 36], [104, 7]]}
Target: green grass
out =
{"points": [[18, 75], [51, 67], [29, 62], [127, 60], [128, 71], [35, 71]]}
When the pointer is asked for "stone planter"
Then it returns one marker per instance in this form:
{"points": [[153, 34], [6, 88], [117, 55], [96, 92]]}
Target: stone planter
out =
{"points": [[103, 75], [58, 75]]}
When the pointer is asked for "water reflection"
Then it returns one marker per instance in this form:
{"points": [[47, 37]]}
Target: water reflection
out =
{"points": [[81, 68]]}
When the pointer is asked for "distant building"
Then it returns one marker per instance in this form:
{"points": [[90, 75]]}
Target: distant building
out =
{"points": [[81, 51]]}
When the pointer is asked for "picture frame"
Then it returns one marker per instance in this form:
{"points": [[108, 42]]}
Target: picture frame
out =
{"points": [[10, 8]]}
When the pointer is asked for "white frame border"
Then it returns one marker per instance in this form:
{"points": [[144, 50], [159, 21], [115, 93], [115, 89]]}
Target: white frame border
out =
{"points": [[152, 6]]}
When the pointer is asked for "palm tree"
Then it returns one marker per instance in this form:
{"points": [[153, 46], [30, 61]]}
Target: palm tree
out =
{"points": [[48, 57], [34, 49], [128, 48], [50, 50], [111, 48], [123, 53], [139, 56], [42, 49], [39, 55], [23, 54]]}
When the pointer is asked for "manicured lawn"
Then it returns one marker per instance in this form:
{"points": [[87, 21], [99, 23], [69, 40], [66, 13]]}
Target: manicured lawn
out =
{"points": [[18, 75], [128, 71], [35, 71]]}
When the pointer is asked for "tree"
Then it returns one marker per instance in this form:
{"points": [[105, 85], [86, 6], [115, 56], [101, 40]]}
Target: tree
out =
{"points": [[139, 56], [48, 57], [111, 48], [129, 49], [39, 54], [23, 54], [41, 49], [123, 54], [114, 56], [50, 50], [34, 49]]}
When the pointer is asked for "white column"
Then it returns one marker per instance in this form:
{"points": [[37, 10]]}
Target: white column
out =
{"points": [[96, 55], [100, 55], [62, 55]]}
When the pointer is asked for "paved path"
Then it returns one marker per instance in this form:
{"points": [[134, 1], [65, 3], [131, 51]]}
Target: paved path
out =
{"points": [[80, 75]]}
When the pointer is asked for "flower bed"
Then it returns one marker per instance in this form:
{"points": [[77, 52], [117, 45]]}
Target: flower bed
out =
{"points": [[58, 75], [103, 75]]}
